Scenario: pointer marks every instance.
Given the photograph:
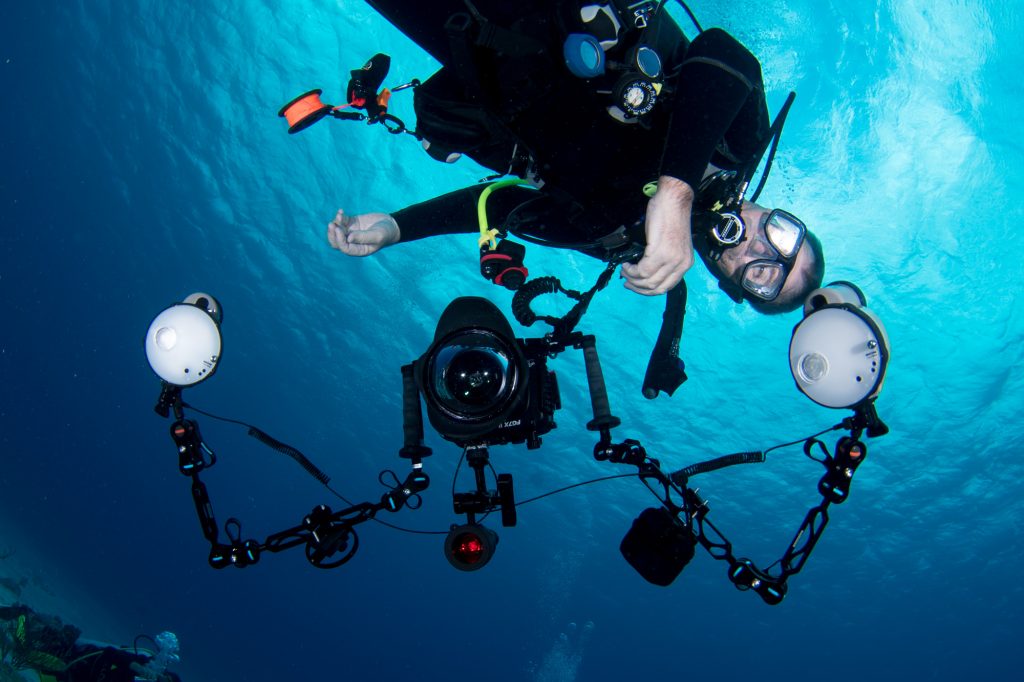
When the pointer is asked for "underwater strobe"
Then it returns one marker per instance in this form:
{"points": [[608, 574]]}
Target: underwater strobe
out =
{"points": [[838, 357], [839, 351], [183, 344]]}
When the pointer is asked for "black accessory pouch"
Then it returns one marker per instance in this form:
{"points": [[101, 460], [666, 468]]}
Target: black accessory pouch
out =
{"points": [[657, 546]]}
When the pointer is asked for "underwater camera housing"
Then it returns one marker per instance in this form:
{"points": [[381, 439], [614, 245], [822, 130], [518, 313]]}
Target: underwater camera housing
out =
{"points": [[481, 385]]}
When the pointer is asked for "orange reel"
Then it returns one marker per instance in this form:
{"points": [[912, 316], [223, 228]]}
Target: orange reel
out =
{"points": [[304, 111]]}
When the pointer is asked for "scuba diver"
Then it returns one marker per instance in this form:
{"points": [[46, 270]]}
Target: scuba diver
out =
{"points": [[626, 136], [53, 650]]}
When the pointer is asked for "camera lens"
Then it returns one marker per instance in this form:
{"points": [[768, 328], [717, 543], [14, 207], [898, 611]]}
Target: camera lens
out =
{"points": [[472, 376], [475, 376]]}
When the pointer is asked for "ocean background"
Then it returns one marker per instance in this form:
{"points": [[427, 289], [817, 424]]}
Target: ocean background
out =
{"points": [[142, 159]]}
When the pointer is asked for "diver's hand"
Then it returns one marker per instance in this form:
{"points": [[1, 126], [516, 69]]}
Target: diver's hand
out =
{"points": [[669, 252], [362, 235]]}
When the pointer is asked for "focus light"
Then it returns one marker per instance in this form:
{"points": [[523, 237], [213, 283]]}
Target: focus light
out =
{"points": [[469, 547]]}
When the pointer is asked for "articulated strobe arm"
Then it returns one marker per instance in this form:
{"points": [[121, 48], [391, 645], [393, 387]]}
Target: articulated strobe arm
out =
{"points": [[660, 545], [325, 533], [834, 487]]}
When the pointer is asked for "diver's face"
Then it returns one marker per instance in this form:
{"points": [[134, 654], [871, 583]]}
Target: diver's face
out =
{"points": [[755, 247]]}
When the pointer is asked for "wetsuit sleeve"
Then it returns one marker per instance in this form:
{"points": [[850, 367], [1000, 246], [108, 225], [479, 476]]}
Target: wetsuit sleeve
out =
{"points": [[720, 98], [455, 212]]}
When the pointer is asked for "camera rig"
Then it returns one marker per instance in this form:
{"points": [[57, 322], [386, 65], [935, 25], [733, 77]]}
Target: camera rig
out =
{"points": [[469, 404]]}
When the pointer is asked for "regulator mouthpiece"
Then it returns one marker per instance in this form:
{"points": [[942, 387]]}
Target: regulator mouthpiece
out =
{"points": [[183, 343], [839, 352]]}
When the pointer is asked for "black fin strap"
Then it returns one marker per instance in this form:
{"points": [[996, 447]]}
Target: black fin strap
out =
{"points": [[500, 39], [285, 449], [718, 64]]}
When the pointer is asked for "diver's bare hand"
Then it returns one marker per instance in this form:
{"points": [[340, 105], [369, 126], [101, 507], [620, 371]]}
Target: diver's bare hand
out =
{"points": [[669, 251], [363, 234]]}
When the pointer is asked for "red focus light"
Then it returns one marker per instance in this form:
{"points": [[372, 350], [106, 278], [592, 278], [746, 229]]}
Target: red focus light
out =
{"points": [[470, 547]]}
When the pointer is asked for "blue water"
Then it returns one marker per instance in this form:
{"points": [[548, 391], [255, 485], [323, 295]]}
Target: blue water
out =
{"points": [[142, 159]]}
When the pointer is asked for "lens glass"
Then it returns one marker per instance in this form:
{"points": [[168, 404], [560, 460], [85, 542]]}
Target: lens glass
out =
{"points": [[785, 233], [812, 367], [590, 55], [472, 376], [166, 338], [648, 61], [764, 279]]}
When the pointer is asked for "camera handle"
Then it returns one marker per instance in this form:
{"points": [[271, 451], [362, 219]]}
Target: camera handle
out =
{"points": [[412, 419], [557, 342], [603, 420]]}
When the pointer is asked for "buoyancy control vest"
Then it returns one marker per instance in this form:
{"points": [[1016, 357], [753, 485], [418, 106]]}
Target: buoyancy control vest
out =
{"points": [[496, 74]]}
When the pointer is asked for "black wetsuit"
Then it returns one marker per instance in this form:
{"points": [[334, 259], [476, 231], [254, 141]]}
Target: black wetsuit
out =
{"points": [[593, 167]]}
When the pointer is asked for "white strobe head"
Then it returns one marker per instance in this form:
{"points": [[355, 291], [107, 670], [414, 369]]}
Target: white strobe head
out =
{"points": [[183, 343], [839, 351]]}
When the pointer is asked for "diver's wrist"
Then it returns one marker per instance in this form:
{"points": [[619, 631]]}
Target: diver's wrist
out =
{"points": [[396, 231], [675, 188]]}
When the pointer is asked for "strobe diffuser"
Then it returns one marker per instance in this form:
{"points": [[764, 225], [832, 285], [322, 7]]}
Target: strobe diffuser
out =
{"points": [[839, 351], [183, 344]]}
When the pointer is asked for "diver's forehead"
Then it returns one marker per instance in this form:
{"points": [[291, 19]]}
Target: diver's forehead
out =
{"points": [[752, 214]]}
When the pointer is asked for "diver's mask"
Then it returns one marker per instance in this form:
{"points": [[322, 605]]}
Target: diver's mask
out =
{"points": [[774, 244], [780, 237]]}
